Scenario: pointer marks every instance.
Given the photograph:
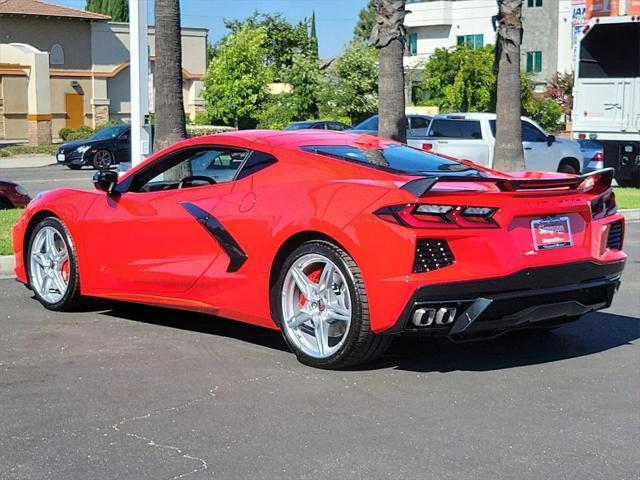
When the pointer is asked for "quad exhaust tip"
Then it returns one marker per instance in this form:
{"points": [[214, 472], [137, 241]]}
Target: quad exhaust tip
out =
{"points": [[433, 317]]}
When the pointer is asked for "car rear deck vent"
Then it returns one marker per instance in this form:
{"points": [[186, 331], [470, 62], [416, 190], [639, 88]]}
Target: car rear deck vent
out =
{"points": [[432, 254], [614, 240]]}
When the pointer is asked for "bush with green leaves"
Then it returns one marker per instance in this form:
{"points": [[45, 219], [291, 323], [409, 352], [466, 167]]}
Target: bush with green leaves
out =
{"points": [[545, 111], [236, 82], [72, 134], [350, 87]]}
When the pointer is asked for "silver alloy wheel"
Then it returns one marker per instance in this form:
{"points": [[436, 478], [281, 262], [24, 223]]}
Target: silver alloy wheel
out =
{"points": [[317, 314], [102, 159], [49, 265]]}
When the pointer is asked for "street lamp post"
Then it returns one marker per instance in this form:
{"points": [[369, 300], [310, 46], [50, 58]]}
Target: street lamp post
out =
{"points": [[139, 72]]}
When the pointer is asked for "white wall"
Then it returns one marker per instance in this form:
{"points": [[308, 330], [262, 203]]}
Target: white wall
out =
{"points": [[438, 24]]}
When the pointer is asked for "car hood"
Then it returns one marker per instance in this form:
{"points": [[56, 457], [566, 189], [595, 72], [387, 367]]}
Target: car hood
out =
{"points": [[80, 143]]}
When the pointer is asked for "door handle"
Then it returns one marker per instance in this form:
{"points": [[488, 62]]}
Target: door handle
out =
{"points": [[527, 148]]}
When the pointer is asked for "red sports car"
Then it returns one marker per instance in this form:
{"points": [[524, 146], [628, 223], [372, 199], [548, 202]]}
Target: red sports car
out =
{"points": [[339, 240]]}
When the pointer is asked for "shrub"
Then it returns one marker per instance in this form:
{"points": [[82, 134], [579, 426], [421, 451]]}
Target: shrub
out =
{"points": [[546, 112], [71, 134], [201, 130], [201, 118]]}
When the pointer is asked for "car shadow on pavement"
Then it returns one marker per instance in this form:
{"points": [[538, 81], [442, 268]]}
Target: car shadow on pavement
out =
{"points": [[591, 334], [594, 333], [196, 322]]}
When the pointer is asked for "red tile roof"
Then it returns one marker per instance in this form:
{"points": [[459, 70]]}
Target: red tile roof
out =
{"points": [[36, 7]]}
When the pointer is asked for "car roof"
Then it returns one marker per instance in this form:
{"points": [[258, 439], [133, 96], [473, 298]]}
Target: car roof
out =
{"points": [[297, 138], [470, 116]]}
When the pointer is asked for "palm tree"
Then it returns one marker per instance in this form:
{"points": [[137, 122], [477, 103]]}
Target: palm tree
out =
{"points": [[388, 36], [169, 107], [508, 153]]}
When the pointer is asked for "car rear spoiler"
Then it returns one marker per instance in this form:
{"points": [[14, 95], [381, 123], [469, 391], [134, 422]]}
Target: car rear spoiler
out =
{"points": [[601, 179]]}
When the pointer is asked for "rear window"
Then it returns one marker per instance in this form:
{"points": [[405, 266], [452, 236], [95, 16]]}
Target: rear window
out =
{"points": [[465, 129], [395, 157]]}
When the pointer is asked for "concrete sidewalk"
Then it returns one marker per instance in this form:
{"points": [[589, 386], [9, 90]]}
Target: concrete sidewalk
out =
{"points": [[27, 161]]}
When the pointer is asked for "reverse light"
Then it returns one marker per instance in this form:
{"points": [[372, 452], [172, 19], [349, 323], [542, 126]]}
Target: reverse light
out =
{"points": [[439, 216]]}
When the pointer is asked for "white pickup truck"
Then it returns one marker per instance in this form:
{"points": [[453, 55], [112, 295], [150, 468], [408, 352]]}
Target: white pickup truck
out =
{"points": [[471, 136]]}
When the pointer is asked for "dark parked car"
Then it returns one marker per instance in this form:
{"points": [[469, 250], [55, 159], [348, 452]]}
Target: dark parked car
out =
{"points": [[12, 195], [109, 146], [417, 126], [318, 124], [593, 154]]}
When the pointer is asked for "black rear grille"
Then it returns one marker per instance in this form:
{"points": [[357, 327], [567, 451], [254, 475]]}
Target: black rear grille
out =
{"points": [[432, 254], [614, 240]]}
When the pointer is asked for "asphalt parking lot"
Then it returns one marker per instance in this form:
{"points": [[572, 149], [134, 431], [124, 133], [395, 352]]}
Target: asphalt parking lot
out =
{"points": [[134, 392]]}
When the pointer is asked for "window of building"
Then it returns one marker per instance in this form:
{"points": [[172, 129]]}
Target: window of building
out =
{"points": [[534, 62], [534, 3], [471, 41], [413, 43], [56, 56]]}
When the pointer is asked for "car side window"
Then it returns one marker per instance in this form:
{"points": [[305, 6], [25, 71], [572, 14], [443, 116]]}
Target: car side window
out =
{"points": [[464, 129], [126, 136], [339, 127], [318, 126], [192, 167], [532, 134]]}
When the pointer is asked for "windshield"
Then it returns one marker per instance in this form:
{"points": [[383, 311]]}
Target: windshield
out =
{"points": [[368, 124], [395, 157], [108, 133]]}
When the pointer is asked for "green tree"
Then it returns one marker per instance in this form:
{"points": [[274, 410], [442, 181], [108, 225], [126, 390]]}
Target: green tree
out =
{"points": [[463, 79], [236, 83], [313, 35], [350, 88], [282, 40], [118, 10], [304, 78], [366, 21]]}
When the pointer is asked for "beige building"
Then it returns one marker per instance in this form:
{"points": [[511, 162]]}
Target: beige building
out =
{"points": [[63, 67]]}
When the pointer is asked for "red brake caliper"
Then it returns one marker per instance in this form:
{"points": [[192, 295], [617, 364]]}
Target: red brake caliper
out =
{"points": [[65, 271], [314, 276]]}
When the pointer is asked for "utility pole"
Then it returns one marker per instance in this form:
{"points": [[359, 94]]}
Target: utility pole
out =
{"points": [[139, 72]]}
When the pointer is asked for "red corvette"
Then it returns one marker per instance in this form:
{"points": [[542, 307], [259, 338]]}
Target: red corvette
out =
{"points": [[341, 241]]}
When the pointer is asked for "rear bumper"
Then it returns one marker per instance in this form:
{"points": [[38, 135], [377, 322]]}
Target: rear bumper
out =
{"points": [[527, 298]]}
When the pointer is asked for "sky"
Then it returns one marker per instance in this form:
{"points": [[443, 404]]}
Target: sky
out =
{"points": [[335, 19]]}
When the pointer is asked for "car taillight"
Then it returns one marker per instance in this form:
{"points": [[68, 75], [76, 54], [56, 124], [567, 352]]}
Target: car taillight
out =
{"points": [[439, 216], [427, 146], [604, 205], [598, 157]]}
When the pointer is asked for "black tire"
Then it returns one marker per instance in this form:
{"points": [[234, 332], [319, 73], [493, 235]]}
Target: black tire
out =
{"points": [[71, 300], [361, 344], [568, 166], [74, 167], [102, 160]]}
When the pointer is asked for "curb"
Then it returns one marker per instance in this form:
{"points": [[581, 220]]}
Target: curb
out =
{"points": [[7, 264], [631, 215]]}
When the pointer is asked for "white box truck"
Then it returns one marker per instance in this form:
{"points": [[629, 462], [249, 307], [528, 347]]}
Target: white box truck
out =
{"points": [[606, 105]]}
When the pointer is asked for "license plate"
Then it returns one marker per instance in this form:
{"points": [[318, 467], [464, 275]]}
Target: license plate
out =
{"points": [[61, 157], [548, 233]]}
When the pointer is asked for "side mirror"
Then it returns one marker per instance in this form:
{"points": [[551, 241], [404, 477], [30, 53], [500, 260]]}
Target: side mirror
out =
{"points": [[551, 139], [105, 180]]}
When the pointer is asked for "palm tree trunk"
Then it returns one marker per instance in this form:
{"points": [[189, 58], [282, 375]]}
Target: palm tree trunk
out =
{"points": [[169, 107], [388, 36], [508, 154]]}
